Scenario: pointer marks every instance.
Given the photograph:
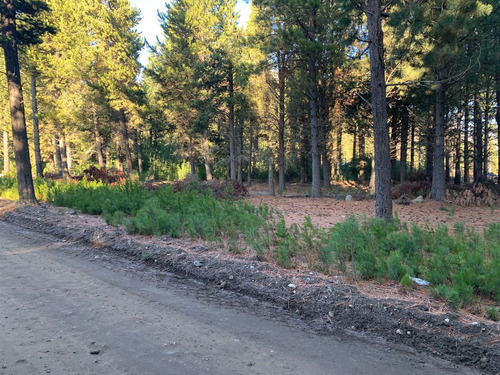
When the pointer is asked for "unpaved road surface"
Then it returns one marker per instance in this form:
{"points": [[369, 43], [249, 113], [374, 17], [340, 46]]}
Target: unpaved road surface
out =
{"points": [[69, 309]]}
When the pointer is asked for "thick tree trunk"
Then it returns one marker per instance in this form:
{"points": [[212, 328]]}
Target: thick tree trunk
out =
{"points": [[478, 140], [139, 151], [6, 156], [466, 141], [97, 138], [232, 161], [404, 143], [36, 131], [206, 155], [313, 114], [438, 189], [383, 194], [18, 121], [281, 121], [124, 135]]}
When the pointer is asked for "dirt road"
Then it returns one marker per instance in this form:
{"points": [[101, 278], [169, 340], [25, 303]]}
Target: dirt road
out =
{"points": [[69, 309]]}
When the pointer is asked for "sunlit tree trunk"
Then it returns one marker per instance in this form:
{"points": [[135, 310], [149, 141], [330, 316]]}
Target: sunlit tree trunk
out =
{"points": [[18, 121], [57, 155], [271, 171], [313, 114]]}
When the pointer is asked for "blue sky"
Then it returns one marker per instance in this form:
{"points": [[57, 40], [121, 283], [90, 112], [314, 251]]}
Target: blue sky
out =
{"points": [[150, 27]]}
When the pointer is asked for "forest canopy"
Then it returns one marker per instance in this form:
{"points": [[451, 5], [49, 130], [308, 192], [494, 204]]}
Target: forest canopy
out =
{"points": [[286, 98]]}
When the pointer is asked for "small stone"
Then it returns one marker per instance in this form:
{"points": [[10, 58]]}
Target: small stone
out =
{"points": [[475, 323], [408, 333], [447, 321], [95, 352], [419, 199], [399, 332], [197, 263], [348, 198], [291, 286]]}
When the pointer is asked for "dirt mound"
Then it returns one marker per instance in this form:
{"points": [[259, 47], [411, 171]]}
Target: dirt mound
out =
{"points": [[324, 303]]}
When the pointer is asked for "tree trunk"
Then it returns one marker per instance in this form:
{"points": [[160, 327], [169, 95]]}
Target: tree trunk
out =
{"points": [[404, 143], [281, 121], [412, 147], [466, 141], [438, 188], [18, 121], [139, 151], [232, 161], [124, 135], [64, 155], [240, 151], [383, 194], [394, 139], [57, 155], [478, 140], [486, 132], [458, 145], [119, 156], [97, 138], [250, 155], [6, 156], [270, 175], [313, 111], [338, 152], [36, 131], [206, 155]]}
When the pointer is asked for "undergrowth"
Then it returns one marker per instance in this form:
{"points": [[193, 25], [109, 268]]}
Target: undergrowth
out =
{"points": [[462, 268]]}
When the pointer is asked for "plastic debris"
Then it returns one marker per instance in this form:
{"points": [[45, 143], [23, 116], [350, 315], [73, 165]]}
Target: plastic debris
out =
{"points": [[420, 281]]}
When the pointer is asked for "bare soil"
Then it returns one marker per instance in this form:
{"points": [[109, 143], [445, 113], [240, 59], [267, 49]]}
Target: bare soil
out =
{"points": [[326, 304]]}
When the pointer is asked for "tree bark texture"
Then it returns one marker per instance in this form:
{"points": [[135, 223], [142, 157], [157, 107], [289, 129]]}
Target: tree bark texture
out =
{"points": [[478, 140], [404, 143], [466, 141], [438, 189], [497, 79], [57, 155], [281, 121], [232, 161], [64, 155], [16, 103], [206, 155], [383, 194], [36, 130], [458, 144], [313, 114]]}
